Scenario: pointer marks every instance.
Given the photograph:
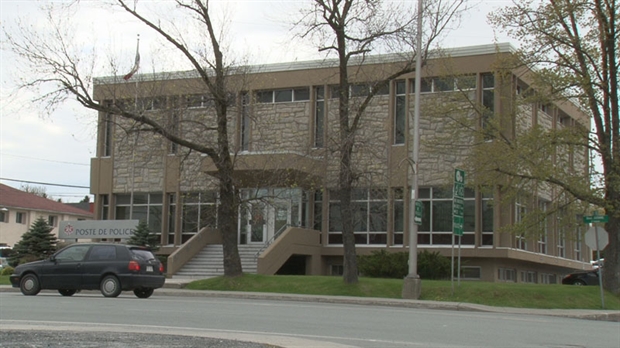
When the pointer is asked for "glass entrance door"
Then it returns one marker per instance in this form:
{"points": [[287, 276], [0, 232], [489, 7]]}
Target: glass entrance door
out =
{"points": [[266, 213], [282, 216], [258, 222]]}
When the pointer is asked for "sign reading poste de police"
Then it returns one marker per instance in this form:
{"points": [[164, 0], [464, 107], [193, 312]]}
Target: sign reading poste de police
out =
{"points": [[89, 229]]}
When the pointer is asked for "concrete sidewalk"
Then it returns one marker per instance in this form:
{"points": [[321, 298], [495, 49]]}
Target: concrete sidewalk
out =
{"points": [[176, 287]]}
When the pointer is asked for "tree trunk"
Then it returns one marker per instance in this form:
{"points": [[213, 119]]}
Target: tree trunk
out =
{"points": [[227, 213], [611, 267], [346, 214]]}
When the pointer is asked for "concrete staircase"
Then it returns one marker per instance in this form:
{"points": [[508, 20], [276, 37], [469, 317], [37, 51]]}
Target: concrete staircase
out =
{"points": [[209, 262]]}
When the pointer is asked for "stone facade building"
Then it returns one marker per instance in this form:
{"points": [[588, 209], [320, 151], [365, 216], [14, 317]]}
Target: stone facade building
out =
{"points": [[283, 127]]}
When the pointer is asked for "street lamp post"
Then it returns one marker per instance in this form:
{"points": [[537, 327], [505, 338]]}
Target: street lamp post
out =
{"points": [[412, 285]]}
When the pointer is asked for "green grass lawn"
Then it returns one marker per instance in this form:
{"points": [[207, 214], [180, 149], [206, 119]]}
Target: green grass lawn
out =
{"points": [[492, 294]]}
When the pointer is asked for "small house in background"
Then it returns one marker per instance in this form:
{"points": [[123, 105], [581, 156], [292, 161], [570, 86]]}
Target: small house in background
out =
{"points": [[19, 209]]}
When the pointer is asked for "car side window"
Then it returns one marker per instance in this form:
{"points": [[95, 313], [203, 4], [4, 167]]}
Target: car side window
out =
{"points": [[73, 253], [102, 252]]}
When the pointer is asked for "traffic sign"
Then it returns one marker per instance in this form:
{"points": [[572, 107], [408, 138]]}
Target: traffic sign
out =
{"points": [[458, 225], [419, 211], [596, 238], [458, 204], [595, 218]]}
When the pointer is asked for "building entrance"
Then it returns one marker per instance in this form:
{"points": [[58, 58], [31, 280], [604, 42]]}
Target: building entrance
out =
{"points": [[267, 212]]}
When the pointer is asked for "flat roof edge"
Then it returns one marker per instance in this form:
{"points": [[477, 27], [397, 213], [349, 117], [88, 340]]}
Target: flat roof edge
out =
{"points": [[503, 47]]}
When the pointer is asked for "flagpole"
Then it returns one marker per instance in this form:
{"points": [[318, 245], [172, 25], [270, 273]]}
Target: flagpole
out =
{"points": [[135, 143]]}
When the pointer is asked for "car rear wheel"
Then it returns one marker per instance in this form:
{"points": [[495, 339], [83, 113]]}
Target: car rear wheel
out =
{"points": [[110, 286], [29, 285], [67, 292], [579, 282], [143, 292]]}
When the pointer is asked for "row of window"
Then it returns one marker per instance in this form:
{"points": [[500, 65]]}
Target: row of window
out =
{"points": [[429, 85], [400, 113], [20, 218], [371, 211]]}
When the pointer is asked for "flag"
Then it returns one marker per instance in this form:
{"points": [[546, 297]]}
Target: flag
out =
{"points": [[136, 64]]}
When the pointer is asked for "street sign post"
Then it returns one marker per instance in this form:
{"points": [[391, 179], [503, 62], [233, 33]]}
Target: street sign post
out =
{"points": [[458, 218], [597, 238], [458, 203]]}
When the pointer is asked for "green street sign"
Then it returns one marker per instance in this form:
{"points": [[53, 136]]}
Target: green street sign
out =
{"points": [[458, 225], [458, 204], [459, 183], [595, 218], [419, 211]]}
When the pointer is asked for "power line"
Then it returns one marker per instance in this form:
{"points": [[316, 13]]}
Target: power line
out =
{"points": [[45, 183], [44, 159]]}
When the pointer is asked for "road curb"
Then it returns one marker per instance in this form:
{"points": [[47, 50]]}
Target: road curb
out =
{"points": [[178, 289]]}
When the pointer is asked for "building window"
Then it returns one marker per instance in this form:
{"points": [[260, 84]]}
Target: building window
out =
{"points": [[105, 207], [283, 95], [4, 215], [471, 272], [358, 90], [52, 220], [245, 122], [529, 277], [561, 244], [545, 107], [172, 209], [520, 211], [487, 219], [20, 217], [578, 242], [152, 103], [369, 218], [199, 211], [173, 126], [400, 113], [145, 207], [488, 104], [446, 84], [196, 101], [399, 216], [548, 278], [542, 241], [319, 117], [318, 210], [107, 135], [336, 270], [507, 274], [436, 227]]}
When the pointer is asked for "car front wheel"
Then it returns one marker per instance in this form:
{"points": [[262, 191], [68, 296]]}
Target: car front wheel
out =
{"points": [[110, 286], [29, 285], [143, 292], [579, 282], [67, 292]]}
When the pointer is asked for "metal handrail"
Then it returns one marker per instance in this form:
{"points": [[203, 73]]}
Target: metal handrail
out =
{"points": [[272, 239]]}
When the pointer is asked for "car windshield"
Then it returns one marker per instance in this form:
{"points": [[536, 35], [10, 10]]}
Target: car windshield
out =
{"points": [[142, 254]]}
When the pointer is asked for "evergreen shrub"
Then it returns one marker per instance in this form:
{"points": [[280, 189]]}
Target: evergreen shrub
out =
{"points": [[383, 264]]}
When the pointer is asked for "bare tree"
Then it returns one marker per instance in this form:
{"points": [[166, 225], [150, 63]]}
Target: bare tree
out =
{"points": [[574, 46], [40, 191], [60, 68], [351, 30]]}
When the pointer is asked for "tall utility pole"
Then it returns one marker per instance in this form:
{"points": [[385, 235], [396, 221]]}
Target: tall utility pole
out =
{"points": [[412, 285]]}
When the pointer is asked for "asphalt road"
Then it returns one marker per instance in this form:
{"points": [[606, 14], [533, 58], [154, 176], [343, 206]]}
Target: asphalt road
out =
{"points": [[287, 324]]}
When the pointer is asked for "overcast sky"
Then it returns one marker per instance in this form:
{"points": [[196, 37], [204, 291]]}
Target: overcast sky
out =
{"points": [[57, 148]]}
